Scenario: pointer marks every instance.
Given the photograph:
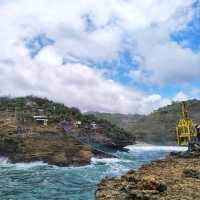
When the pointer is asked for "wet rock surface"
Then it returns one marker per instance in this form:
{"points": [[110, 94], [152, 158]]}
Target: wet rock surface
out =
{"points": [[175, 178]]}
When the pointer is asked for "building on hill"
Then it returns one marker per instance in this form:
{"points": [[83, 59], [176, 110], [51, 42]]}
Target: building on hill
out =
{"points": [[41, 119], [77, 124], [93, 125]]}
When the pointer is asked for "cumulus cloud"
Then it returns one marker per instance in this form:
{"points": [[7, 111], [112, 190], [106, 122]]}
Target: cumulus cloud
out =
{"points": [[93, 32], [181, 96], [163, 61], [192, 93], [72, 84], [69, 24]]}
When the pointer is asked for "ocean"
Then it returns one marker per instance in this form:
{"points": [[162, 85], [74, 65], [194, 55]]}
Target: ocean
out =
{"points": [[39, 181]]}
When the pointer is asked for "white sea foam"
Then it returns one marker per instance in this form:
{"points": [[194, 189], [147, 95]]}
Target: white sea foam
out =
{"points": [[155, 148], [29, 165], [104, 160], [115, 166], [3, 160]]}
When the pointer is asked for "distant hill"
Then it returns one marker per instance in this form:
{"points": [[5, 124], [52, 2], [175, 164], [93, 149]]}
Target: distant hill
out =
{"points": [[157, 127]]}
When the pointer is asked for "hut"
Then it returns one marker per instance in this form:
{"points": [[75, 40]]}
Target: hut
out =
{"points": [[41, 119]]}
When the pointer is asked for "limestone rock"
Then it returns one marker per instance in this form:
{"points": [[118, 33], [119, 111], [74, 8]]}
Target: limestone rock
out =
{"points": [[174, 178], [53, 148]]}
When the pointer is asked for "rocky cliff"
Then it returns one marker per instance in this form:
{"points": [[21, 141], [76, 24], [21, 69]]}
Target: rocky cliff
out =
{"points": [[177, 177], [25, 139], [52, 148], [25, 108]]}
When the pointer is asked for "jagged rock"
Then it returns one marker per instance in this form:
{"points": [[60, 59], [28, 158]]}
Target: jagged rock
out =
{"points": [[191, 173], [153, 183], [131, 187], [174, 178], [192, 152], [55, 149]]}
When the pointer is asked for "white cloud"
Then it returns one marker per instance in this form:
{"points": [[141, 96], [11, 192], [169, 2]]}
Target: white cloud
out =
{"points": [[163, 61], [190, 93], [74, 85], [49, 57], [181, 96], [96, 31], [65, 22]]}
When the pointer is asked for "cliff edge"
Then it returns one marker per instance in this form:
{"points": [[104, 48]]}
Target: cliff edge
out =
{"points": [[176, 177]]}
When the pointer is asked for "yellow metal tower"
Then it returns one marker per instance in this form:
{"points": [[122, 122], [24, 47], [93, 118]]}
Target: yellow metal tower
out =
{"points": [[185, 129]]}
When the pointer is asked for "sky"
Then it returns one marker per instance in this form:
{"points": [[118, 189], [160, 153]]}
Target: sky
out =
{"points": [[118, 56]]}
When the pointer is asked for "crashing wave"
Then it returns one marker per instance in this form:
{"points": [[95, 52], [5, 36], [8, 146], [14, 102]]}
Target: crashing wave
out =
{"points": [[104, 160], [155, 148], [3, 160], [29, 165]]}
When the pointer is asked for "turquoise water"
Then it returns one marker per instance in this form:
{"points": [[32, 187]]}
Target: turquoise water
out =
{"points": [[38, 181]]}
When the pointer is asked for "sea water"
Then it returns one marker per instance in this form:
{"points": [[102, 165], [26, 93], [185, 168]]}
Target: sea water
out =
{"points": [[39, 181]]}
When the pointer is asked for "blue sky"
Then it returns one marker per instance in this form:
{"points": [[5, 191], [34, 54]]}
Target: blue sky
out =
{"points": [[121, 56]]}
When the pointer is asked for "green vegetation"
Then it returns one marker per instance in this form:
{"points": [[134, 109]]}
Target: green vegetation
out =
{"points": [[157, 127], [24, 116], [26, 107]]}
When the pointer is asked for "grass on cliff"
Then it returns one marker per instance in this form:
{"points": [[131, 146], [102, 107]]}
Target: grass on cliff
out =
{"points": [[25, 107]]}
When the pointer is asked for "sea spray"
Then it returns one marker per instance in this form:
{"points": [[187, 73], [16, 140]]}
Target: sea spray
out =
{"points": [[156, 148], [3, 160]]}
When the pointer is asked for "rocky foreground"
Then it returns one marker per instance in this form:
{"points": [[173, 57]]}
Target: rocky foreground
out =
{"points": [[175, 178]]}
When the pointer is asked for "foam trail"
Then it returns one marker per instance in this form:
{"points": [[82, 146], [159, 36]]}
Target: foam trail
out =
{"points": [[5, 162], [104, 160], [155, 148], [29, 165]]}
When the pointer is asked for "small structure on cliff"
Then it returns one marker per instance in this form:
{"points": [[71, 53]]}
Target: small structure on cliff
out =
{"points": [[93, 125], [42, 120], [77, 124]]}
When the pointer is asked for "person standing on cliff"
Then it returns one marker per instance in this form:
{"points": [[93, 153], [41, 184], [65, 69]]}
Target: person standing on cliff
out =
{"points": [[198, 132]]}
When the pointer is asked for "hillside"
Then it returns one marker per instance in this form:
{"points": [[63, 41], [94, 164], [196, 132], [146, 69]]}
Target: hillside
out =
{"points": [[157, 127], [22, 110], [37, 129]]}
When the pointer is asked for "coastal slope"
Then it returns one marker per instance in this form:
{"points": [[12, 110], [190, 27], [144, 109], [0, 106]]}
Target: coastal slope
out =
{"points": [[37, 129]]}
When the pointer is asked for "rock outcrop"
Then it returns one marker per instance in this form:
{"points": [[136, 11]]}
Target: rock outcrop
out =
{"points": [[52, 148], [175, 178]]}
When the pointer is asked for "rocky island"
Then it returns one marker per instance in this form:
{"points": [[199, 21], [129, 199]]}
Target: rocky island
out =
{"points": [[36, 129], [176, 177]]}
